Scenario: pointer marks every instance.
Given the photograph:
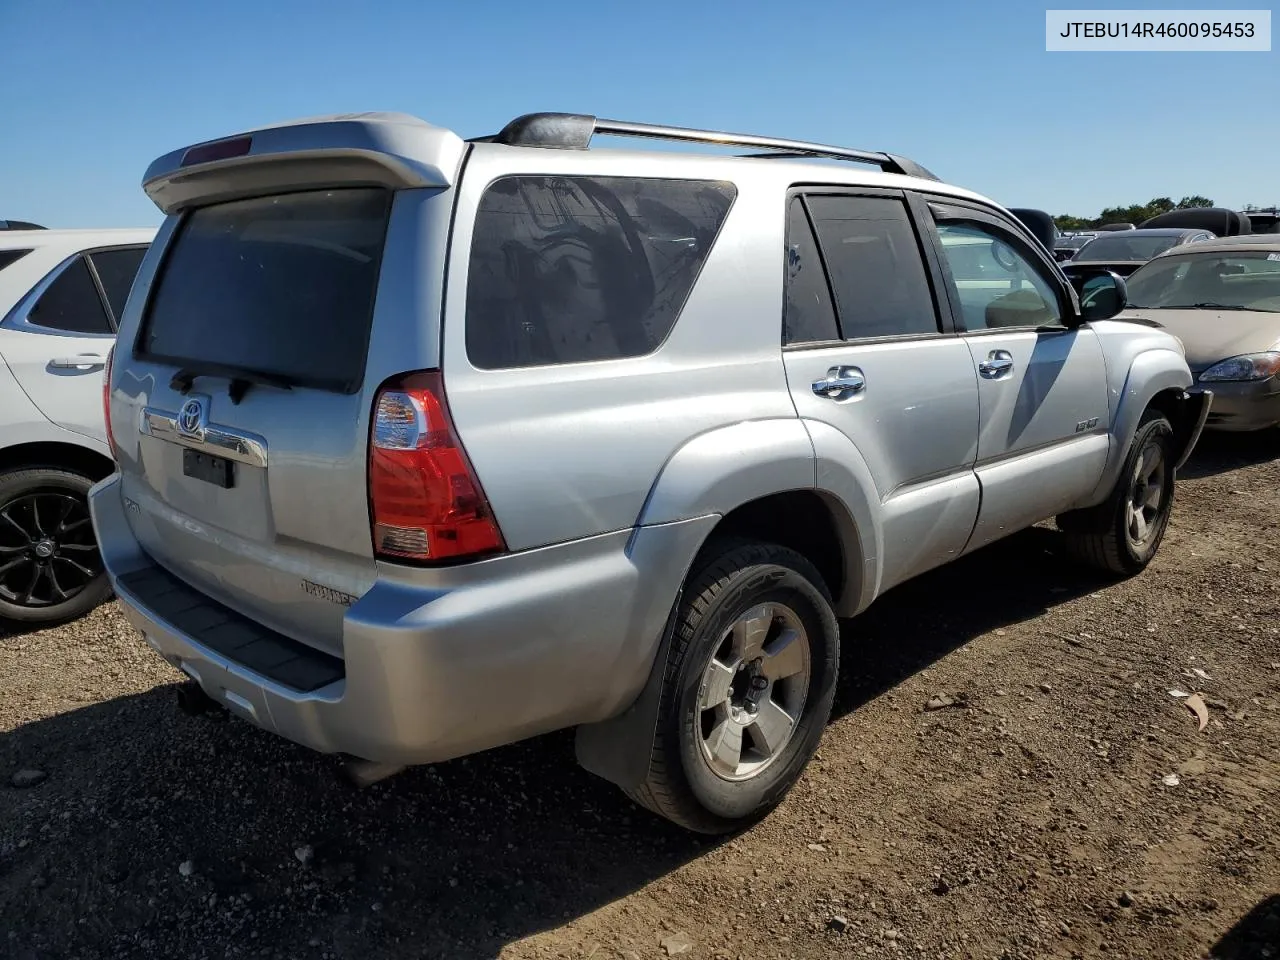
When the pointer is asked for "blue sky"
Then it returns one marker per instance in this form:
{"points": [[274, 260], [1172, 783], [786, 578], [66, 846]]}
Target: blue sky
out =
{"points": [[97, 90]]}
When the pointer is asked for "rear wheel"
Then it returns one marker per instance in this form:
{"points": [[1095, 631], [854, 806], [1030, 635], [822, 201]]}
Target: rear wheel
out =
{"points": [[50, 567], [1122, 534], [748, 688]]}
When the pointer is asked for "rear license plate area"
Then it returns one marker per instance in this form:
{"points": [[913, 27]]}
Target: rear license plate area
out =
{"points": [[205, 466]]}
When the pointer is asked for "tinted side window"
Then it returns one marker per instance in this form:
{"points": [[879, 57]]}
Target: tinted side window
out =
{"points": [[116, 269], [72, 303], [8, 257], [809, 316], [998, 286], [877, 273], [570, 269]]}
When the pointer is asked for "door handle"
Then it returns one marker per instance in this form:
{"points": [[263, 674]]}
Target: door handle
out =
{"points": [[997, 364], [84, 361], [840, 383]]}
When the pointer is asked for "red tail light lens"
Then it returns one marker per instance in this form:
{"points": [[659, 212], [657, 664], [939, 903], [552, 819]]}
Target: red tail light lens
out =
{"points": [[425, 500], [106, 402]]}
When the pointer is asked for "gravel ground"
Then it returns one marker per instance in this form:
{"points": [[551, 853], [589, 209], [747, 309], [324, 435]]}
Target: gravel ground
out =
{"points": [[1064, 806]]}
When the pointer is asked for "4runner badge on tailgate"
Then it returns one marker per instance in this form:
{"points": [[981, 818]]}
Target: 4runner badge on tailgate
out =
{"points": [[328, 593]]}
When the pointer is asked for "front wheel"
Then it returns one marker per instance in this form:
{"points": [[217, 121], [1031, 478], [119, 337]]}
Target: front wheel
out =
{"points": [[50, 568], [1121, 535], [748, 688]]}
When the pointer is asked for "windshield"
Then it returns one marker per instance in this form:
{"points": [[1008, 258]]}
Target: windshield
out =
{"points": [[1118, 248], [1236, 281]]}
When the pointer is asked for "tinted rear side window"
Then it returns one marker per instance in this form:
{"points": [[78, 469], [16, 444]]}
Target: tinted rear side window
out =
{"points": [[8, 257], [874, 259], [281, 285], [71, 303], [116, 269], [809, 317], [571, 269]]}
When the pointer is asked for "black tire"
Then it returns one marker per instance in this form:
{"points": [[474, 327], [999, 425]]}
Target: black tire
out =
{"points": [[73, 544], [730, 579], [1102, 537]]}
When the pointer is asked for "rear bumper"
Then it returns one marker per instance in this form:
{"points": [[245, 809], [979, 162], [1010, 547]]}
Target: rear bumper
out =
{"points": [[437, 663], [1245, 406]]}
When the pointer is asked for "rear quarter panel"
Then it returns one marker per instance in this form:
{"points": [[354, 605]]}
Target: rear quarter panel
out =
{"points": [[572, 450]]}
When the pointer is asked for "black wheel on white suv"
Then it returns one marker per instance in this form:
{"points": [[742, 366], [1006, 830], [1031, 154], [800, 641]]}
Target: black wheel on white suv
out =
{"points": [[1121, 535], [50, 567], [747, 693]]}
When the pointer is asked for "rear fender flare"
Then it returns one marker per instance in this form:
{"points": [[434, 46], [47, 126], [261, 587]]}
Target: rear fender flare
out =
{"points": [[711, 475]]}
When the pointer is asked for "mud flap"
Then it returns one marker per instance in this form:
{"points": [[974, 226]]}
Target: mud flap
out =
{"points": [[1188, 431], [620, 749]]}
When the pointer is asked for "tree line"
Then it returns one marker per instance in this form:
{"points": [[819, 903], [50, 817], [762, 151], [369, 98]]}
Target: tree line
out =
{"points": [[1135, 213]]}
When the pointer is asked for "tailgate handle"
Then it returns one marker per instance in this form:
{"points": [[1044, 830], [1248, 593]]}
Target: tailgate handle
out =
{"points": [[83, 361]]}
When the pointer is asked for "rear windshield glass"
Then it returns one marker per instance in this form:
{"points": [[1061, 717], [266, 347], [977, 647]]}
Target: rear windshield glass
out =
{"points": [[571, 269], [278, 285], [1117, 248]]}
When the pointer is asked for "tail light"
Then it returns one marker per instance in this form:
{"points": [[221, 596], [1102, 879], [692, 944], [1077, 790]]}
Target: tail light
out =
{"points": [[425, 500], [106, 402]]}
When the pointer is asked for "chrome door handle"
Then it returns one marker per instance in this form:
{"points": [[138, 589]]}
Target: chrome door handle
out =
{"points": [[998, 363], [840, 383], [86, 361]]}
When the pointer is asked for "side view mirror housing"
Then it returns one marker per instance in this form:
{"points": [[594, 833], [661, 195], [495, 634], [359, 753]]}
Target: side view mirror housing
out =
{"points": [[1103, 294]]}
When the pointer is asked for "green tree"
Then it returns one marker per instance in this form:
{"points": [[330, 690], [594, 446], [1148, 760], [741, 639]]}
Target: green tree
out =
{"points": [[1135, 213]]}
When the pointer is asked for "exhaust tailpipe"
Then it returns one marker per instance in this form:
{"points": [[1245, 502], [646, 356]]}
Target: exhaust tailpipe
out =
{"points": [[193, 701], [365, 773]]}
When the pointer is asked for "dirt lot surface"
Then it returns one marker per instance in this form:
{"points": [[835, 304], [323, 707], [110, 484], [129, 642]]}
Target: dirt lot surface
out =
{"points": [[1065, 806]]}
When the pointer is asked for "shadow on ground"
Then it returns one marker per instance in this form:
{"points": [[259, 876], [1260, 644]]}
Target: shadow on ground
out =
{"points": [[457, 859], [162, 834], [1218, 453], [1255, 937]]}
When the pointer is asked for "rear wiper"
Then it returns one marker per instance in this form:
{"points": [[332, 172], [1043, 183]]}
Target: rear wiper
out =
{"points": [[241, 378]]}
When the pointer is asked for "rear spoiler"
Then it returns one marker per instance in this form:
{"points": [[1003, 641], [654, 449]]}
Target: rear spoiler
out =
{"points": [[369, 149]]}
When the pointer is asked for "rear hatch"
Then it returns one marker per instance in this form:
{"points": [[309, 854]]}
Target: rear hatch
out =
{"points": [[240, 406]]}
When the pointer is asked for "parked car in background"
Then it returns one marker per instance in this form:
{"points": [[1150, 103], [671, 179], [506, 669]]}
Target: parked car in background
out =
{"points": [[61, 296], [1123, 252], [1221, 298], [1069, 244], [429, 445]]}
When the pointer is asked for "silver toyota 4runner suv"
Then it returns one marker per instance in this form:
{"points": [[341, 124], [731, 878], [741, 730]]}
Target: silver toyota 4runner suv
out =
{"points": [[428, 445]]}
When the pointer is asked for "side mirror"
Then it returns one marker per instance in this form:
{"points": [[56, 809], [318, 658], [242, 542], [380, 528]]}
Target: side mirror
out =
{"points": [[1103, 294]]}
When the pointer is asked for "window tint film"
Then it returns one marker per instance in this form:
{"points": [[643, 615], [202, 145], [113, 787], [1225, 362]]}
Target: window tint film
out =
{"points": [[72, 303], [116, 270], [8, 257], [809, 316], [282, 285], [571, 269], [997, 285], [879, 279]]}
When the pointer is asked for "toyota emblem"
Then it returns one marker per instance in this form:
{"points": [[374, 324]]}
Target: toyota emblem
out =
{"points": [[191, 418]]}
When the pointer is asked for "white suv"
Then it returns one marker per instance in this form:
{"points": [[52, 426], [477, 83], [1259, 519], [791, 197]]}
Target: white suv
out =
{"points": [[61, 294]]}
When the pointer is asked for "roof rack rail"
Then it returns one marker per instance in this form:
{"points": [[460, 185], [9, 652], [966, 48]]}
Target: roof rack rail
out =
{"points": [[19, 225], [573, 131]]}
